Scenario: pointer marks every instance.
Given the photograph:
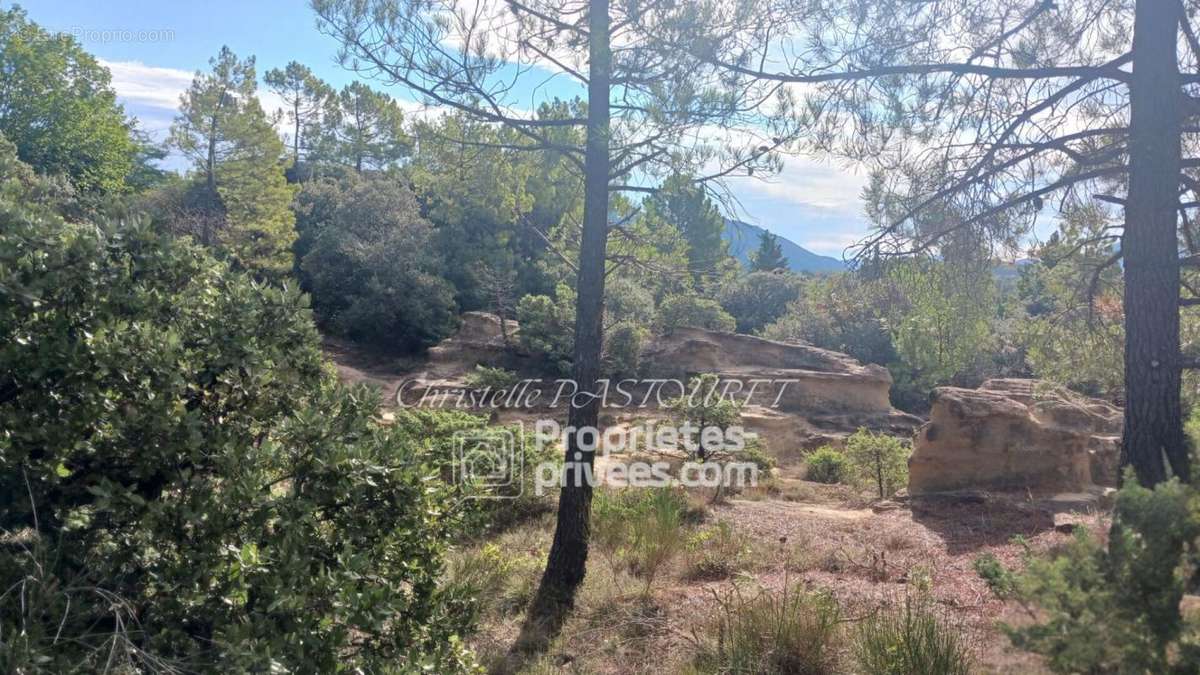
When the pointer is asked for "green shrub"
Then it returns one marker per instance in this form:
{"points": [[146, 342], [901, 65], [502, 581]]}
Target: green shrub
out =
{"points": [[703, 405], [623, 349], [878, 460], [370, 264], [548, 327], [1117, 610], [759, 298], [678, 311], [484, 377], [756, 454], [912, 640], [480, 508], [1000, 580], [188, 470], [826, 465], [793, 632]]}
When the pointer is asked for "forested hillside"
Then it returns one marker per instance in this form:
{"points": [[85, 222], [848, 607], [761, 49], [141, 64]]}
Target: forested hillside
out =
{"points": [[195, 479]]}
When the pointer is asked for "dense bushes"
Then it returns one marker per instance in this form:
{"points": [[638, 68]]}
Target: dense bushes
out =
{"points": [[759, 298], [368, 263], [548, 326], [678, 311], [186, 484], [826, 465], [1115, 609]]}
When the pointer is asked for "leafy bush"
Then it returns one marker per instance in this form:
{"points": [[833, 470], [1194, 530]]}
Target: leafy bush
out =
{"points": [[1116, 610], [878, 460], [678, 311], [485, 377], [755, 454], [481, 508], [759, 298], [794, 632], [628, 302], [1000, 580], [623, 349], [371, 269], [548, 326], [826, 465], [842, 312], [194, 486], [910, 641]]}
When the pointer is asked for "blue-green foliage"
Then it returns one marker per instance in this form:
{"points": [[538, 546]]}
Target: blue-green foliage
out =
{"points": [[1114, 609], [185, 484]]}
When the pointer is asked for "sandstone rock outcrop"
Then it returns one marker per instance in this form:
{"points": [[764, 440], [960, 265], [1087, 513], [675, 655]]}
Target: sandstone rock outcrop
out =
{"points": [[806, 395], [796, 395], [480, 339], [1015, 435]]}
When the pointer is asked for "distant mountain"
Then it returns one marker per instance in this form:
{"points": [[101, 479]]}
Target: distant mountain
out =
{"points": [[743, 240]]}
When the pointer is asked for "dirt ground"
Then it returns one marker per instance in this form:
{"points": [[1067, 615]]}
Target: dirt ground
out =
{"points": [[833, 538], [808, 535]]}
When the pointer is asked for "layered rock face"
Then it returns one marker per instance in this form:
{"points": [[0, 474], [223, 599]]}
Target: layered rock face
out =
{"points": [[801, 393], [1010, 434], [796, 395], [480, 339]]}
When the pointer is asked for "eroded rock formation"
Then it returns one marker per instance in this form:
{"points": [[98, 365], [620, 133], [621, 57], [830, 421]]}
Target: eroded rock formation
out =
{"points": [[797, 396], [1015, 435]]}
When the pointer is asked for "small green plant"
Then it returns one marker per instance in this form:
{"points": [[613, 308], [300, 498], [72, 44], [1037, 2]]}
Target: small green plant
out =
{"points": [[999, 579], [826, 465], [656, 531], [717, 552], [485, 377], [476, 581], [756, 454], [792, 632], [878, 460], [912, 640], [641, 530]]}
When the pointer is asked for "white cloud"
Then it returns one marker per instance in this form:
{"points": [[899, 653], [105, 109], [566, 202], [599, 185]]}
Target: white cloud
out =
{"points": [[156, 90], [150, 86], [813, 184], [833, 243]]}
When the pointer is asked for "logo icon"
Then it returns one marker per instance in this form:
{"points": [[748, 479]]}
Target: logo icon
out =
{"points": [[490, 463]]}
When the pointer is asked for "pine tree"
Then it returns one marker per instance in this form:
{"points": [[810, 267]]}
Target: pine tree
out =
{"points": [[769, 256], [684, 204], [306, 96], [222, 128], [362, 129]]}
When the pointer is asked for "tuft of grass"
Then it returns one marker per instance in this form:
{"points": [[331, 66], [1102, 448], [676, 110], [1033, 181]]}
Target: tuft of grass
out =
{"points": [[641, 530], [912, 640], [717, 552], [795, 631]]}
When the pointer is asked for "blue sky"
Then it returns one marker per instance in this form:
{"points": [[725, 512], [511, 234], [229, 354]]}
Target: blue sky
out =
{"points": [[153, 48]]}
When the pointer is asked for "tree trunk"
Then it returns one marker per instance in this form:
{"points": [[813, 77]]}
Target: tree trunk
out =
{"points": [[1153, 418], [565, 566]]}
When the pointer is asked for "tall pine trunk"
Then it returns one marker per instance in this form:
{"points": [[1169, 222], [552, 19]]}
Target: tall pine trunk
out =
{"points": [[566, 564], [1153, 417]]}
